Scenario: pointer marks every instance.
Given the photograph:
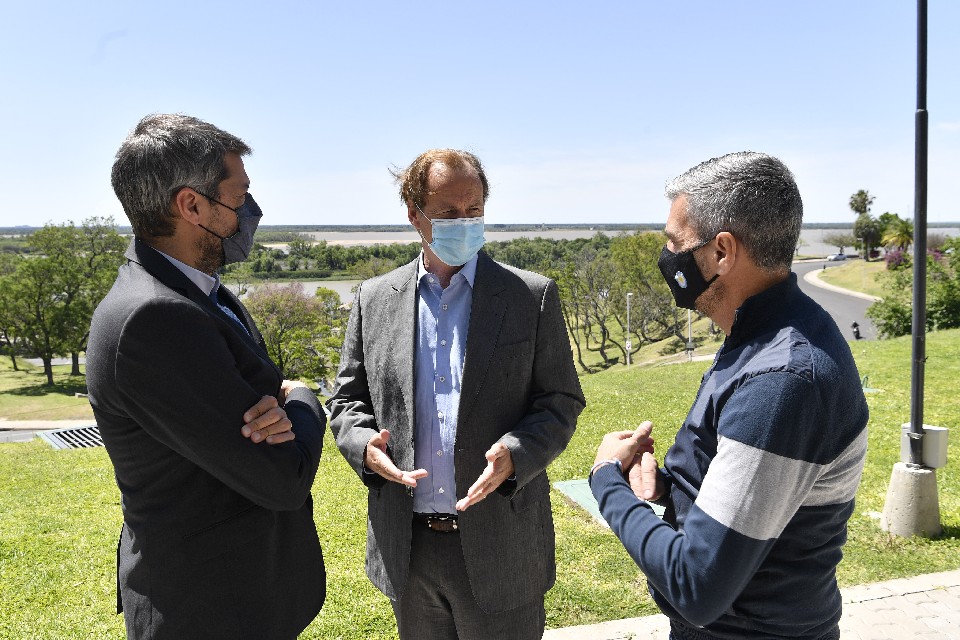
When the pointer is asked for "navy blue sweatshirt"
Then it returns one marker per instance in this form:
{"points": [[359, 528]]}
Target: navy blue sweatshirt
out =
{"points": [[761, 480]]}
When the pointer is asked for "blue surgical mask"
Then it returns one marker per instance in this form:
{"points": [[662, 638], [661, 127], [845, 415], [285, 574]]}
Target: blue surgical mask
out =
{"points": [[456, 240]]}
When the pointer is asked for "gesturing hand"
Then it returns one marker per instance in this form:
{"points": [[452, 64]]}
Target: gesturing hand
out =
{"points": [[266, 421], [499, 468], [626, 446], [376, 459], [644, 478]]}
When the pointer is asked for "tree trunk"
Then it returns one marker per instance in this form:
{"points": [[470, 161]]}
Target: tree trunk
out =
{"points": [[13, 359], [48, 370], [75, 368]]}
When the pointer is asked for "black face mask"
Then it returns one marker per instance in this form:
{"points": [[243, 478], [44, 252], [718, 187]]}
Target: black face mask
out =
{"points": [[683, 276]]}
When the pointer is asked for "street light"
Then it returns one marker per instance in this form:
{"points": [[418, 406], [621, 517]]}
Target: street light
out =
{"points": [[629, 342]]}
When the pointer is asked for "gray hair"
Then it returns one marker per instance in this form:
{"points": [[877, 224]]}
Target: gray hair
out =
{"points": [[751, 195], [164, 154]]}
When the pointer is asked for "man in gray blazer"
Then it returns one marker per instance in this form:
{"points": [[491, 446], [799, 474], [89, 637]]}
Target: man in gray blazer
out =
{"points": [[456, 389], [214, 453]]}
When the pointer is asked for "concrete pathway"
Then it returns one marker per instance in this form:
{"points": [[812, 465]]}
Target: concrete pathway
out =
{"points": [[925, 606], [23, 430]]}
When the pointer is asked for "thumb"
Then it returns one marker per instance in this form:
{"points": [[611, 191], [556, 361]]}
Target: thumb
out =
{"points": [[643, 431], [379, 439], [648, 476], [494, 452]]}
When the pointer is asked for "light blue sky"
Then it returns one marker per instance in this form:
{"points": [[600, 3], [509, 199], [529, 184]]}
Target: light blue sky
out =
{"points": [[580, 110]]}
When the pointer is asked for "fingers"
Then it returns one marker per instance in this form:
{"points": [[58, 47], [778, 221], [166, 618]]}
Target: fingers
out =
{"points": [[265, 404], [278, 438], [649, 477], [499, 468], [377, 459], [643, 431], [269, 424], [380, 440]]}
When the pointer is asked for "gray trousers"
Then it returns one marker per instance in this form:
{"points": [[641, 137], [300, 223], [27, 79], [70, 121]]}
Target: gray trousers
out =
{"points": [[438, 604]]}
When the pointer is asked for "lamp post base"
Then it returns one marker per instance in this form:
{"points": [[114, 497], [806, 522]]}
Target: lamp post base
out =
{"points": [[912, 507]]}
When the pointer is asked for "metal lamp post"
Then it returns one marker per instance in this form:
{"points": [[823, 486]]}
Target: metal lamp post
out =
{"points": [[629, 342], [912, 507]]}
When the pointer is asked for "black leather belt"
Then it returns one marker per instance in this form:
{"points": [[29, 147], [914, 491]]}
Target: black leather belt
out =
{"points": [[439, 522]]}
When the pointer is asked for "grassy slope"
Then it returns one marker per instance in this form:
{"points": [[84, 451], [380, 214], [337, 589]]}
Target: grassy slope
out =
{"points": [[25, 396], [59, 513], [855, 274]]}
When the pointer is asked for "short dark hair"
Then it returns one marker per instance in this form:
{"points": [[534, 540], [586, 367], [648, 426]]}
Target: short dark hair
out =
{"points": [[163, 154], [413, 179], [753, 196]]}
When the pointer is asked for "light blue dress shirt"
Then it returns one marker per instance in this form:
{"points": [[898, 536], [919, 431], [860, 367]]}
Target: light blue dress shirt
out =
{"points": [[443, 319]]}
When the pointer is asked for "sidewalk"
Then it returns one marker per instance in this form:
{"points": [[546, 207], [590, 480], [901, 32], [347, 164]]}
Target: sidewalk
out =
{"points": [[925, 606], [23, 430]]}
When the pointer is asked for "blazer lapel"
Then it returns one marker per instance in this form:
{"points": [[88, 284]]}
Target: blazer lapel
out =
{"points": [[400, 310], [486, 319], [161, 269]]}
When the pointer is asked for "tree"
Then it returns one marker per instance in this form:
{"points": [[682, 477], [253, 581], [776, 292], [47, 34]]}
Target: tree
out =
{"points": [[241, 274], [860, 202], [38, 310], [51, 295], [297, 330], [653, 314], [897, 233], [867, 229], [299, 246], [893, 314], [8, 266], [840, 240]]}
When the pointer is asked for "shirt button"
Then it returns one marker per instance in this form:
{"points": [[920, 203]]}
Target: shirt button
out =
{"points": [[444, 307], [440, 414], [430, 280], [442, 379], [441, 490], [443, 343], [440, 453]]}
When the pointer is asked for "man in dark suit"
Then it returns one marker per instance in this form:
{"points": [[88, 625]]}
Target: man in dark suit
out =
{"points": [[456, 390], [214, 453]]}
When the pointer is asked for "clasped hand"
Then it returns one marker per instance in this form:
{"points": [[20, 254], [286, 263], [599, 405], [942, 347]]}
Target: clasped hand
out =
{"points": [[266, 421], [634, 450]]}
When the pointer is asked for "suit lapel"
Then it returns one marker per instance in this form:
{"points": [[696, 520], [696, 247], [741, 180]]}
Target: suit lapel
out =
{"points": [[400, 311], [486, 319], [161, 269]]}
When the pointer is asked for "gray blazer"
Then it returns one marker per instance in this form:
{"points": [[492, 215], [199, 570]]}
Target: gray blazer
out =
{"points": [[519, 387], [218, 539]]}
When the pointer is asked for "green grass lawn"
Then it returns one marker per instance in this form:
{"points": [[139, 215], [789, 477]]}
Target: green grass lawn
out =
{"points": [[25, 396], [60, 514], [856, 275]]}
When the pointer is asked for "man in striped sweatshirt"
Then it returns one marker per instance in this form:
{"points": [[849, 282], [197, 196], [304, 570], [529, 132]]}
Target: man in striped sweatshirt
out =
{"points": [[760, 482]]}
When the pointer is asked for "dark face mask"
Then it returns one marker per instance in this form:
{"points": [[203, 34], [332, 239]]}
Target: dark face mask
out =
{"points": [[237, 246], [683, 276]]}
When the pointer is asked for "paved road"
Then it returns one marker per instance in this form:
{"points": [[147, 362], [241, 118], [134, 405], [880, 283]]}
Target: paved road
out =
{"points": [[844, 309]]}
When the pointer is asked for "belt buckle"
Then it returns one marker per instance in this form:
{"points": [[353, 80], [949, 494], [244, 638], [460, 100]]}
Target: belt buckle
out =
{"points": [[443, 524]]}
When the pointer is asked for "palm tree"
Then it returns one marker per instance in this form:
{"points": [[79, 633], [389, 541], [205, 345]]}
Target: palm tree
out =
{"points": [[860, 202], [898, 233]]}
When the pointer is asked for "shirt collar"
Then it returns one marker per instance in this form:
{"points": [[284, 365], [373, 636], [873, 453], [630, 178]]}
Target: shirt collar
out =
{"points": [[760, 311], [468, 270], [204, 281]]}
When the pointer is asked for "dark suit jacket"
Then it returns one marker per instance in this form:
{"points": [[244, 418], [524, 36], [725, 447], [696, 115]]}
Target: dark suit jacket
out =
{"points": [[218, 538], [519, 387]]}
